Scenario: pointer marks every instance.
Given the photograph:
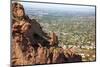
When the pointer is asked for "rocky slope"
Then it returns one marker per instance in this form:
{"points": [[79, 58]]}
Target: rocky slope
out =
{"points": [[31, 45]]}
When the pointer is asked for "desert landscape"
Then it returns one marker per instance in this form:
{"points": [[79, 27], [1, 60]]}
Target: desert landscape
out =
{"points": [[43, 35]]}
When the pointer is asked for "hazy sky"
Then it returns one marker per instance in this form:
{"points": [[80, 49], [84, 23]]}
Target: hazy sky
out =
{"points": [[59, 6]]}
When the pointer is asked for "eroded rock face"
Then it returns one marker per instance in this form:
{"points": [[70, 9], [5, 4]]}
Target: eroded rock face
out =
{"points": [[31, 45], [41, 57], [18, 10]]}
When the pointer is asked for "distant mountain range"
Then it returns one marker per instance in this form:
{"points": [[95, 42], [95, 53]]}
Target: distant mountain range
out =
{"points": [[48, 12], [43, 9]]}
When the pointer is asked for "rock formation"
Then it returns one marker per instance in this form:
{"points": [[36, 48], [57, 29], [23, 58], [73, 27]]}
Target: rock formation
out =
{"points": [[31, 45]]}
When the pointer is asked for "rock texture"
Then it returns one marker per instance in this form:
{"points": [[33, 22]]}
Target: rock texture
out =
{"points": [[31, 45]]}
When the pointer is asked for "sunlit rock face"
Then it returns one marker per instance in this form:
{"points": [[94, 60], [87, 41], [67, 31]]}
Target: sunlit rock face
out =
{"points": [[31, 45]]}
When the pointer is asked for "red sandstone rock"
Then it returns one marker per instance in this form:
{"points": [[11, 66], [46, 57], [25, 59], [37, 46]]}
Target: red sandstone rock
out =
{"points": [[31, 45]]}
